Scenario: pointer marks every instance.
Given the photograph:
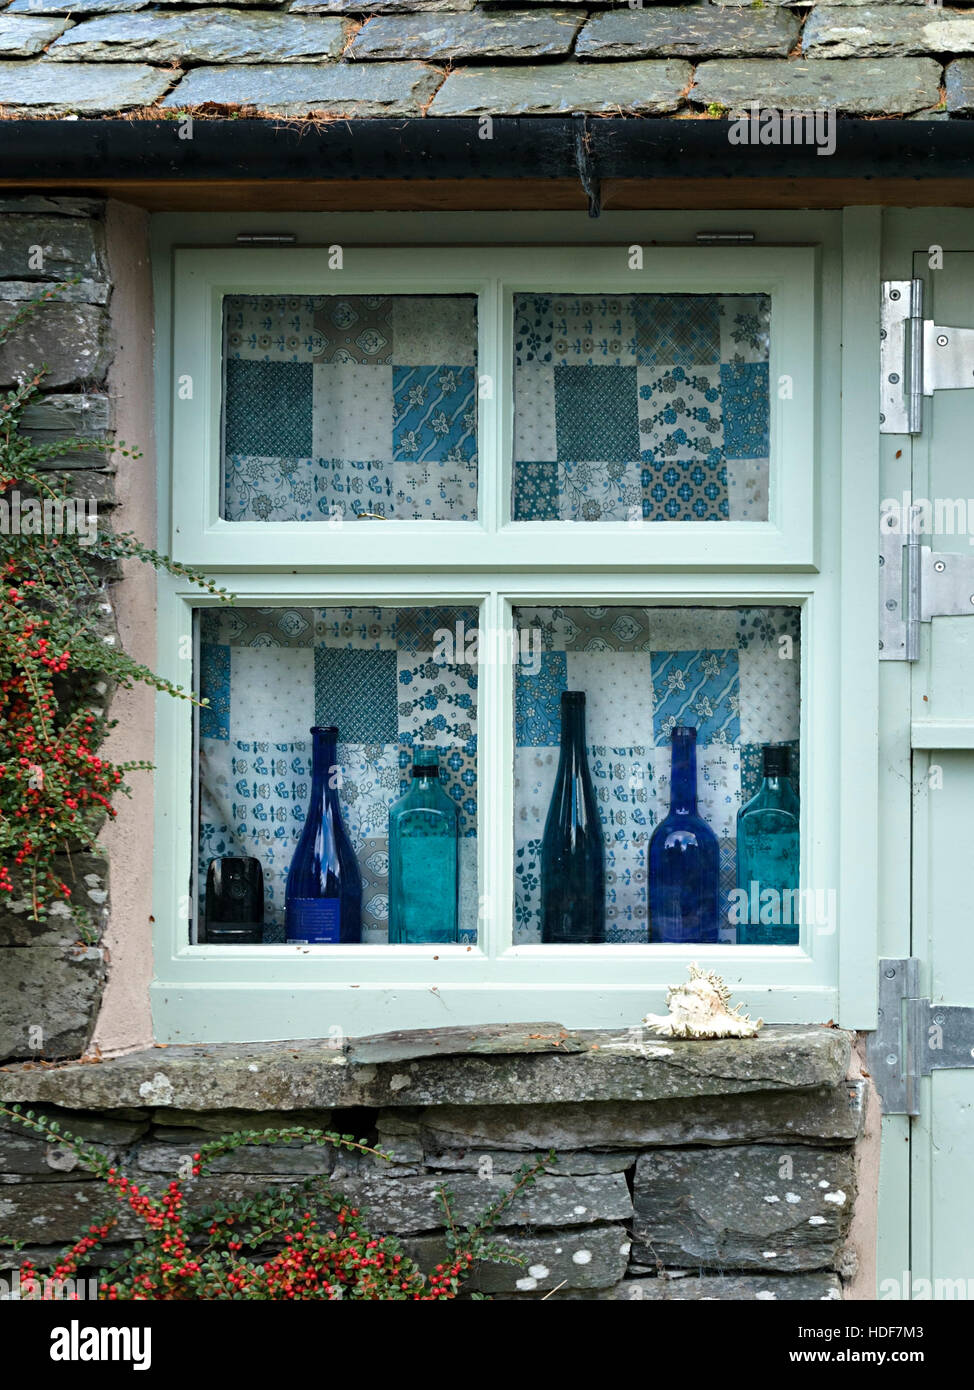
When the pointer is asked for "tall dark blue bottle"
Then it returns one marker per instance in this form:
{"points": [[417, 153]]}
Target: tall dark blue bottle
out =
{"points": [[572, 850], [683, 857], [323, 897]]}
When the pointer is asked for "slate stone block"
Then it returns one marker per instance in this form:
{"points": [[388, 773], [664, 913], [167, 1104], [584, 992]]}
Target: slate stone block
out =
{"points": [[70, 340], [746, 1207], [408, 1205], [54, 990], [44, 249], [571, 1259]]}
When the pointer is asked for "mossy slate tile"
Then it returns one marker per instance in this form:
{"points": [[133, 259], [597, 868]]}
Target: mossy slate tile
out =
{"points": [[341, 89], [960, 87], [203, 36], [541, 33], [643, 88], [39, 87], [687, 32], [74, 7], [859, 87], [389, 6], [23, 36], [871, 31]]}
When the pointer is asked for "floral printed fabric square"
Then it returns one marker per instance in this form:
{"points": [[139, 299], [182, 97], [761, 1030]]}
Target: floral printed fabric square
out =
{"points": [[344, 404], [731, 673], [389, 678], [647, 407]]}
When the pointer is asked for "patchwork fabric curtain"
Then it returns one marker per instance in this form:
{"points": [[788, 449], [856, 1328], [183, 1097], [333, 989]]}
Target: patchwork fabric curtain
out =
{"points": [[641, 407]]}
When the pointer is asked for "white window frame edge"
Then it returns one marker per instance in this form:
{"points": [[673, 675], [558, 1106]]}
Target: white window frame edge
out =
{"points": [[203, 276], [188, 1004]]}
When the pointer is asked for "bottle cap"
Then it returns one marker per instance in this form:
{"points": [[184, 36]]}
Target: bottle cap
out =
{"points": [[573, 697], [777, 760], [426, 762], [683, 731], [324, 729]]}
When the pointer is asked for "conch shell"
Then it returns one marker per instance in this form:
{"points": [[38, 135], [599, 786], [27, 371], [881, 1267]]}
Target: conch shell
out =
{"points": [[698, 1009]]}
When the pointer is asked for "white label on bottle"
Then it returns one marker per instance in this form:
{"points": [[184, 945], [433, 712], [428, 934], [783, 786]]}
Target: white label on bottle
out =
{"points": [[314, 921]]}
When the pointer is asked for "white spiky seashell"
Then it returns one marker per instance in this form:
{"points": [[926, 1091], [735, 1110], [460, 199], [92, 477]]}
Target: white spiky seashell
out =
{"points": [[698, 1009]]}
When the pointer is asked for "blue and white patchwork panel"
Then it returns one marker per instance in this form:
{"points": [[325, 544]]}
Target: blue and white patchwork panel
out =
{"points": [[651, 406], [344, 404], [731, 673], [389, 678]]}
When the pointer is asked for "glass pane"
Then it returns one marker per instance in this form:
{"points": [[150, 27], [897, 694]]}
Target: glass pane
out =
{"points": [[730, 674], [644, 406], [391, 679], [341, 405]]}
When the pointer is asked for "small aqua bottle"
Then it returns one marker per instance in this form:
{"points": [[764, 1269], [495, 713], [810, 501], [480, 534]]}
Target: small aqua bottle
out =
{"points": [[423, 858], [767, 856]]}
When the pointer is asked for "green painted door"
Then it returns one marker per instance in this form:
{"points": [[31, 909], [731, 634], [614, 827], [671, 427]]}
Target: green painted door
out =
{"points": [[942, 724]]}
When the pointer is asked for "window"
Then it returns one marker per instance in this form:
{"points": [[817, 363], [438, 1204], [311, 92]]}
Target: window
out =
{"points": [[603, 476]]}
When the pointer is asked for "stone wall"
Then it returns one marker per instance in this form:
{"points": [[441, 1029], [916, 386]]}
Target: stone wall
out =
{"points": [[51, 974], [720, 1170]]}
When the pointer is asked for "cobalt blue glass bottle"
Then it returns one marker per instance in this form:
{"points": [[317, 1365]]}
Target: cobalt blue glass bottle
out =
{"points": [[423, 847], [572, 850], [323, 897], [767, 856], [683, 857]]}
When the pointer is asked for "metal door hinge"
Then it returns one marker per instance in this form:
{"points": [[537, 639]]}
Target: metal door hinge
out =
{"points": [[913, 1037], [917, 357], [916, 583]]}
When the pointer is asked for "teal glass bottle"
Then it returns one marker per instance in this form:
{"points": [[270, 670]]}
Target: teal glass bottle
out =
{"points": [[423, 858], [767, 856]]}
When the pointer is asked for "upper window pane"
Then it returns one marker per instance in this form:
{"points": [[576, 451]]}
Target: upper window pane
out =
{"points": [[645, 406], [349, 405]]}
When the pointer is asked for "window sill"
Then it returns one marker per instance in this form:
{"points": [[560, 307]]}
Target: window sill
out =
{"points": [[521, 1064]]}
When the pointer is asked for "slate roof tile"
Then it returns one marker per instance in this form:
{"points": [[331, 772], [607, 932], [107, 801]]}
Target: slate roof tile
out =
{"points": [[365, 58]]}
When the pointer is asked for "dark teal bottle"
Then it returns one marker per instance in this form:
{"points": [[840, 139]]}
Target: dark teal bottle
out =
{"points": [[768, 856], [573, 848], [423, 858], [323, 897], [684, 859]]}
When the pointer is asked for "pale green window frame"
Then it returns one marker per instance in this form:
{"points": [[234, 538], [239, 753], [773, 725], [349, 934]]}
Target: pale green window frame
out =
{"points": [[215, 993]]}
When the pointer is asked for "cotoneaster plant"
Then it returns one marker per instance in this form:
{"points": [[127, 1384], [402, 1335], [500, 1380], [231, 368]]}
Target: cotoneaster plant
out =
{"points": [[301, 1242], [58, 663]]}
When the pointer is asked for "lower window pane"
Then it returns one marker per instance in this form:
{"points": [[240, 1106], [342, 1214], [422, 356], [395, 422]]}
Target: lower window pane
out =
{"points": [[732, 675], [391, 682]]}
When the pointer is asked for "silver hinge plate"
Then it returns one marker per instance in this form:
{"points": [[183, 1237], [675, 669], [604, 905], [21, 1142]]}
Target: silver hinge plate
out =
{"points": [[917, 357], [916, 583], [913, 1037]]}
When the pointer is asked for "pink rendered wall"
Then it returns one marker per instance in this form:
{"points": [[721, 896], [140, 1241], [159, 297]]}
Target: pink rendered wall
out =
{"points": [[125, 1020]]}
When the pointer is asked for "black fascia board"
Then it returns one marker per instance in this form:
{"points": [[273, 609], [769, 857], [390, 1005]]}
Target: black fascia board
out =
{"points": [[429, 148]]}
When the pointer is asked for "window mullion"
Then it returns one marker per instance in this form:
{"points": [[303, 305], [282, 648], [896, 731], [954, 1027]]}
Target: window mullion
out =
{"points": [[495, 722]]}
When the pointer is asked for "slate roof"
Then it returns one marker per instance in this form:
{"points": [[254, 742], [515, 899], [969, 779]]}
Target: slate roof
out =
{"points": [[414, 58]]}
